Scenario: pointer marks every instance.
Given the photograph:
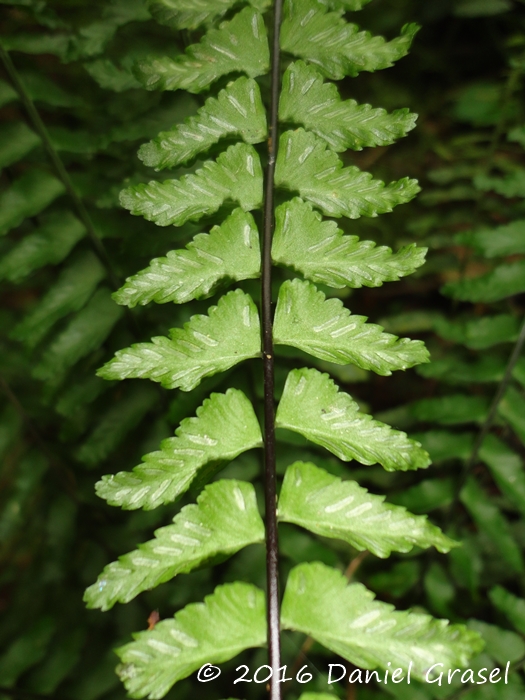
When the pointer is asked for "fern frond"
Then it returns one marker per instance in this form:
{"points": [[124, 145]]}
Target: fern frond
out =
{"points": [[494, 242], [346, 5], [238, 46], [225, 427], [29, 649], [85, 333], [190, 14], [502, 645], [312, 405], [111, 76], [224, 520], [16, 141], [452, 370], [316, 500], [230, 251], [204, 346], [27, 196], [307, 100], [336, 47], [504, 281], [444, 444], [493, 523], [236, 111], [519, 371], [507, 468], [71, 292], [324, 328], [230, 620], [80, 394], [452, 409], [512, 408], [236, 176], [319, 251], [510, 186], [478, 333], [36, 43], [116, 423], [41, 89], [7, 93], [92, 39], [510, 605], [50, 244], [307, 165], [345, 618], [428, 494], [121, 12]]}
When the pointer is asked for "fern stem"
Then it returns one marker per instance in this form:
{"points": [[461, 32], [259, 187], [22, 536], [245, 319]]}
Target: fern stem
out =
{"points": [[510, 87], [489, 420], [58, 165], [491, 415], [272, 543]]}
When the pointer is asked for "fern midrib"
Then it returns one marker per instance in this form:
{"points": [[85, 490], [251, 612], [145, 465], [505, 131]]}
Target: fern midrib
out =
{"points": [[272, 542]]}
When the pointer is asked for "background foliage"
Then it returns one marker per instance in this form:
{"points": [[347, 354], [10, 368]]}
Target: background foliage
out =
{"points": [[62, 427]]}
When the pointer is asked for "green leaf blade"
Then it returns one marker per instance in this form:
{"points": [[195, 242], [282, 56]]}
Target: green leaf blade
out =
{"points": [[510, 185], [230, 620], [312, 406], [230, 251], [240, 45], [479, 333], [74, 287], [502, 282], [336, 47], [229, 334], [512, 409], [111, 76], [494, 242], [187, 14], [321, 253], [49, 244], [307, 100], [306, 165], [330, 507], [493, 523], [319, 602], [27, 196], [27, 650], [236, 176], [452, 409], [510, 605], [225, 427], [452, 370], [115, 424], [16, 141], [237, 111], [84, 334], [31, 43], [7, 94], [346, 5], [224, 520], [324, 328], [507, 468]]}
